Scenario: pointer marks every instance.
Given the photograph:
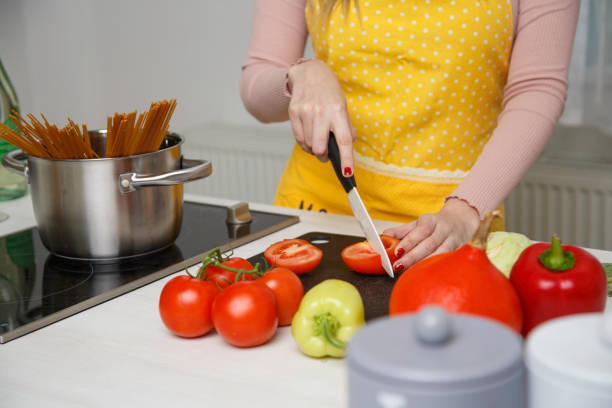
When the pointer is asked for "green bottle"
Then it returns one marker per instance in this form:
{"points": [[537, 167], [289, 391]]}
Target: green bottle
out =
{"points": [[11, 185]]}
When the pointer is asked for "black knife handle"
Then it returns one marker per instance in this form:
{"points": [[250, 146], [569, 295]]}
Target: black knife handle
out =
{"points": [[334, 156]]}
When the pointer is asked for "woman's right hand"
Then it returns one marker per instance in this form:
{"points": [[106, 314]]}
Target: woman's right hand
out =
{"points": [[317, 107]]}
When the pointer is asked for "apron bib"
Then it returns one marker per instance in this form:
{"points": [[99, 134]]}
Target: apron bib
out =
{"points": [[424, 82]]}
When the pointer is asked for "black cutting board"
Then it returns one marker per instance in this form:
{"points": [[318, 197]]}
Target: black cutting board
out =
{"points": [[374, 289]]}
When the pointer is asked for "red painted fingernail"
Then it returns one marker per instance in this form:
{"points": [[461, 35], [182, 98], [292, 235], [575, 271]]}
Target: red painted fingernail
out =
{"points": [[398, 267], [347, 171], [399, 252]]}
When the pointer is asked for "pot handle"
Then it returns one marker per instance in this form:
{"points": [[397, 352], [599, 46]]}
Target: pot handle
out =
{"points": [[16, 162], [190, 170]]}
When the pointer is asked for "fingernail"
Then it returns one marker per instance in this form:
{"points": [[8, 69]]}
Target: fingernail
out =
{"points": [[398, 267], [347, 171], [399, 252]]}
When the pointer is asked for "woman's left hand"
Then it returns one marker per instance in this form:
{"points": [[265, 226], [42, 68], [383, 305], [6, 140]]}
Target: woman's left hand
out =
{"points": [[431, 234]]}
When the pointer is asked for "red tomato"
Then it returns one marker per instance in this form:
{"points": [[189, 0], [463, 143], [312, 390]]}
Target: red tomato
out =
{"points": [[224, 277], [244, 314], [185, 305], [298, 255], [361, 258], [288, 289]]}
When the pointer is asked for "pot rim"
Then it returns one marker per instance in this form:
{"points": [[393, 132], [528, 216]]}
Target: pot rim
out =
{"points": [[179, 142]]}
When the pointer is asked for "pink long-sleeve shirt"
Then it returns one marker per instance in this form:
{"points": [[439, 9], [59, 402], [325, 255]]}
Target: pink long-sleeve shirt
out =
{"points": [[534, 95]]}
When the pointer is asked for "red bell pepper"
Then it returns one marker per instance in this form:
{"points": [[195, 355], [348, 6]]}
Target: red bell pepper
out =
{"points": [[554, 280]]}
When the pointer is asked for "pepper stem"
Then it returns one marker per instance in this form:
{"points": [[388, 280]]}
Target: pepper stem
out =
{"points": [[327, 326], [479, 240], [555, 258]]}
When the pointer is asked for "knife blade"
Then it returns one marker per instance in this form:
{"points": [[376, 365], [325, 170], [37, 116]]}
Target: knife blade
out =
{"points": [[359, 210]]}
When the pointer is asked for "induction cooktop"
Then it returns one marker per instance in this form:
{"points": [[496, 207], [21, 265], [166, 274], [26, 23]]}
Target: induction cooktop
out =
{"points": [[38, 288]]}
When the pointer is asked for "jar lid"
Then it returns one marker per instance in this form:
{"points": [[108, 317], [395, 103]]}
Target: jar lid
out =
{"points": [[433, 349], [574, 350]]}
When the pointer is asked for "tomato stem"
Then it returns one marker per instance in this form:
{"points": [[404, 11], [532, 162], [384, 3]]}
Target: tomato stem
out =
{"points": [[209, 258], [266, 266], [216, 258], [327, 326], [187, 272], [240, 272], [555, 258], [213, 257]]}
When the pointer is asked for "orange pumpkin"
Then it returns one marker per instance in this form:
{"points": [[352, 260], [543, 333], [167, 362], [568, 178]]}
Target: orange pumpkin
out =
{"points": [[461, 281]]}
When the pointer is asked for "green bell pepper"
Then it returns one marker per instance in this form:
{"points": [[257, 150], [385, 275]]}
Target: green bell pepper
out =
{"points": [[327, 318]]}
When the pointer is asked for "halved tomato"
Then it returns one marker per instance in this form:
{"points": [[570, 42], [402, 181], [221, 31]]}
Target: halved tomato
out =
{"points": [[361, 258], [296, 254]]}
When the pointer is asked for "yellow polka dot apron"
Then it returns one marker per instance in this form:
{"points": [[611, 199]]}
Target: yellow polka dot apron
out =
{"points": [[423, 81]]}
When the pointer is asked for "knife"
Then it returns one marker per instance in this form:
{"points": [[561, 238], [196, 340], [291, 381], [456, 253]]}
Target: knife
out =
{"points": [[359, 210]]}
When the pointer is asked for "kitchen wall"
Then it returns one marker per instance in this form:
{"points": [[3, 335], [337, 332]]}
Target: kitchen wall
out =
{"points": [[87, 59]]}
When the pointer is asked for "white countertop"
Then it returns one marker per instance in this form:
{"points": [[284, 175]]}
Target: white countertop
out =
{"points": [[120, 354]]}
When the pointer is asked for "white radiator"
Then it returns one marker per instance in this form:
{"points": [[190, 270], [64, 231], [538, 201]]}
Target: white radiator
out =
{"points": [[575, 206], [567, 192], [247, 161]]}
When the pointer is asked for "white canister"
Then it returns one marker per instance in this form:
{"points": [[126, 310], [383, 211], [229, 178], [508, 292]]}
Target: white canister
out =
{"points": [[435, 359], [569, 362]]}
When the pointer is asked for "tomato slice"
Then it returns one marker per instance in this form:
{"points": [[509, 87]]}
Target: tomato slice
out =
{"points": [[296, 254], [361, 258]]}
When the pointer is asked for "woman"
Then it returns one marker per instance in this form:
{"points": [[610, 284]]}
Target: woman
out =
{"points": [[439, 107]]}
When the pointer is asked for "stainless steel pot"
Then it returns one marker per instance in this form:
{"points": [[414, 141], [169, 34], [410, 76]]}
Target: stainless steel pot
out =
{"points": [[112, 207]]}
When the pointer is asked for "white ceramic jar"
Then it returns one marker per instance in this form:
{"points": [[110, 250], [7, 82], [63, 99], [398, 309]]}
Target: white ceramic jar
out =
{"points": [[433, 359], [569, 362]]}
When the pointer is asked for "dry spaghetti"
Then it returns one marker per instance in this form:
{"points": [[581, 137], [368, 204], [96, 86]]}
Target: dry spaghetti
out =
{"points": [[126, 134]]}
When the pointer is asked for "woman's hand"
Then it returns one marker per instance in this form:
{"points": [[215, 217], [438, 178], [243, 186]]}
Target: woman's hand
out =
{"points": [[317, 107], [431, 234]]}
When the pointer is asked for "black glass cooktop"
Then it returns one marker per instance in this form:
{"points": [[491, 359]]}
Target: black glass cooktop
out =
{"points": [[38, 288]]}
